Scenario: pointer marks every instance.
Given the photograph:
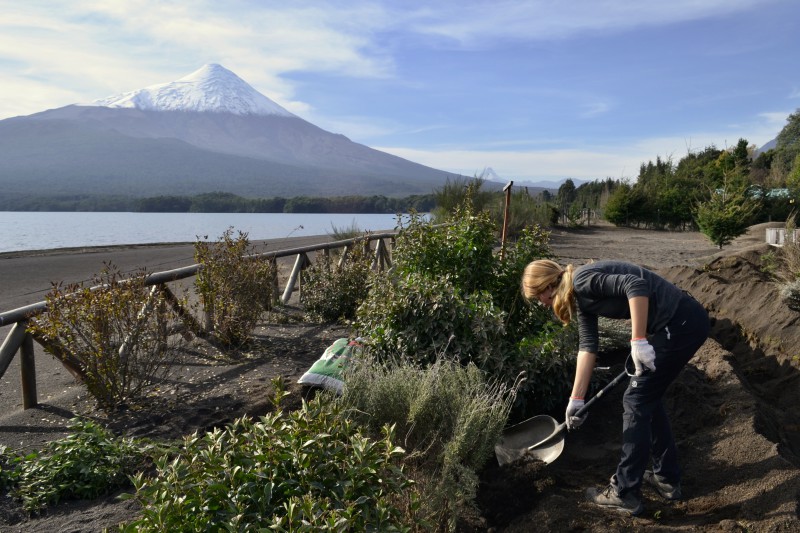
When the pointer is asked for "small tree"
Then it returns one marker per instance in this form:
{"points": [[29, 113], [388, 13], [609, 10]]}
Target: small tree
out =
{"points": [[725, 215]]}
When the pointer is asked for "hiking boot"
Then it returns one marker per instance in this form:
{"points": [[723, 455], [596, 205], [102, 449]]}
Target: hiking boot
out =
{"points": [[666, 490], [608, 497]]}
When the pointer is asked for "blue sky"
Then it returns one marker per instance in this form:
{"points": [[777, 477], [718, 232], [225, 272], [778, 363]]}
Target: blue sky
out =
{"points": [[536, 90]]}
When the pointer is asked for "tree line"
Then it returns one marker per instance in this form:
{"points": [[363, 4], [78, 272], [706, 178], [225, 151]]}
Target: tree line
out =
{"points": [[718, 191], [220, 202]]}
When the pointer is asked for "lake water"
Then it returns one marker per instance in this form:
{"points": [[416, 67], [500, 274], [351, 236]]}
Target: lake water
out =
{"points": [[45, 230]]}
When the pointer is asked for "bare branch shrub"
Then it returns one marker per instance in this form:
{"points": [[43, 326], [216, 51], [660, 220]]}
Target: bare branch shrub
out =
{"points": [[115, 335]]}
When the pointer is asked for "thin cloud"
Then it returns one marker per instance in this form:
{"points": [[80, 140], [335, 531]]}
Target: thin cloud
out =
{"points": [[595, 109], [118, 46], [591, 162], [481, 22]]}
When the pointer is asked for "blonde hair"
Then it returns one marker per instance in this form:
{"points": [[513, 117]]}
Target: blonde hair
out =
{"points": [[544, 273]]}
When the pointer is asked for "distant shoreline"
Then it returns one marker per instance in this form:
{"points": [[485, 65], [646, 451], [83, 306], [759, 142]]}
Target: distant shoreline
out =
{"points": [[88, 249]]}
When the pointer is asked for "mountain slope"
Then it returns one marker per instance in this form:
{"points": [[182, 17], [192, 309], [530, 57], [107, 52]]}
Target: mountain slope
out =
{"points": [[209, 131]]}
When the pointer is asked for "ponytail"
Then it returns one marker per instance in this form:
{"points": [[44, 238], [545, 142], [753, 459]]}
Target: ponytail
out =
{"points": [[564, 298]]}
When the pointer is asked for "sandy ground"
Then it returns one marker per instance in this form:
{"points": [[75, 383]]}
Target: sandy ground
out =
{"points": [[732, 408]]}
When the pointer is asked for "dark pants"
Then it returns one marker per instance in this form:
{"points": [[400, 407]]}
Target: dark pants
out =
{"points": [[645, 427]]}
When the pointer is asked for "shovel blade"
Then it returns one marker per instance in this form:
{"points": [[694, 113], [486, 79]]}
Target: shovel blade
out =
{"points": [[539, 437]]}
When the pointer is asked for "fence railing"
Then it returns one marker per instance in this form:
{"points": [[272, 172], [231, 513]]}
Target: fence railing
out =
{"points": [[19, 340]]}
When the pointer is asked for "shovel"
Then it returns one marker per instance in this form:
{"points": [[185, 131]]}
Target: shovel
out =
{"points": [[541, 436]]}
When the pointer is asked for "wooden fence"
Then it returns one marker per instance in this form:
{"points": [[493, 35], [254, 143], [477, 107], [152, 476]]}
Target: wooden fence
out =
{"points": [[19, 340]]}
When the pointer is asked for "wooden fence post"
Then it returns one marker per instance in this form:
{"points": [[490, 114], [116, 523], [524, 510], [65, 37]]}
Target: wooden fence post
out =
{"points": [[11, 345], [507, 190], [300, 263], [27, 365]]}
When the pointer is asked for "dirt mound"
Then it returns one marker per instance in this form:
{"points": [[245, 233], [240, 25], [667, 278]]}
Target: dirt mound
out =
{"points": [[735, 478]]}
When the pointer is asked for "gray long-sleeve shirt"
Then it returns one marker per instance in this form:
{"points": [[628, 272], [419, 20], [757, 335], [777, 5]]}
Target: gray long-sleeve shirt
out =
{"points": [[604, 288]]}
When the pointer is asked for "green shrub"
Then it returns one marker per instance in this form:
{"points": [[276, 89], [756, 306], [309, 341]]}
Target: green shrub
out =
{"points": [[89, 463], [462, 249], [459, 191], [451, 294], [725, 215], [547, 361], [449, 415], [790, 292], [234, 289], [524, 211], [115, 335], [310, 470], [332, 291], [422, 317]]}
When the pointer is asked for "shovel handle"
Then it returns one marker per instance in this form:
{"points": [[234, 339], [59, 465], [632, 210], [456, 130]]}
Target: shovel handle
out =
{"points": [[563, 425], [613, 383]]}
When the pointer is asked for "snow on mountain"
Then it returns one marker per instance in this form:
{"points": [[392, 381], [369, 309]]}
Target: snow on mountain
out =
{"points": [[211, 88], [490, 175]]}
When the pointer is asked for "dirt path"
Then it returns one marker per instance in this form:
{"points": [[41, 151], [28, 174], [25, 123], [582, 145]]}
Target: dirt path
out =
{"points": [[732, 409]]}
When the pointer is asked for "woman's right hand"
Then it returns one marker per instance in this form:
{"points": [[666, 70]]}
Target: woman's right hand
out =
{"points": [[575, 405]]}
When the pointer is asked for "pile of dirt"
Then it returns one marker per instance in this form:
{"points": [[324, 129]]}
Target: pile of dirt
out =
{"points": [[732, 408]]}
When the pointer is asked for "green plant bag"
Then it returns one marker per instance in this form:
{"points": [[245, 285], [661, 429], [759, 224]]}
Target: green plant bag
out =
{"points": [[327, 371]]}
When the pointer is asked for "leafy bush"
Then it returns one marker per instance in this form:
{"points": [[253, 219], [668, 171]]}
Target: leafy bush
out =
{"points": [[450, 416], [115, 335], [422, 317], [462, 249], [89, 463], [330, 291], [450, 293], [234, 289], [454, 193], [310, 470], [547, 360]]}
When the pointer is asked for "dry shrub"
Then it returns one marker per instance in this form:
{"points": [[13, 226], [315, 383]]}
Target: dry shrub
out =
{"points": [[333, 291], [115, 335], [235, 289]]}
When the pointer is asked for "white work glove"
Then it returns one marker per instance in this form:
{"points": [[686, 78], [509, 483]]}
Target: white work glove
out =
{"points": [[643, 355], [574, 422]]}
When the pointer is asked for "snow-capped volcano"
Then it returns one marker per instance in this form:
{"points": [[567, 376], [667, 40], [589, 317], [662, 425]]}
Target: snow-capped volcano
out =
{"points": [[211, 88], [207, 132], [490, 175]]}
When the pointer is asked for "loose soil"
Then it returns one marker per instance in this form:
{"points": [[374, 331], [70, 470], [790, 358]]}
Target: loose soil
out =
{"points": [[733, 408]]}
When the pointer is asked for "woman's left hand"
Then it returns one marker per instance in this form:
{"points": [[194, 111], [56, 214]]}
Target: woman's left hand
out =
{"points": [[644, 356]]}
